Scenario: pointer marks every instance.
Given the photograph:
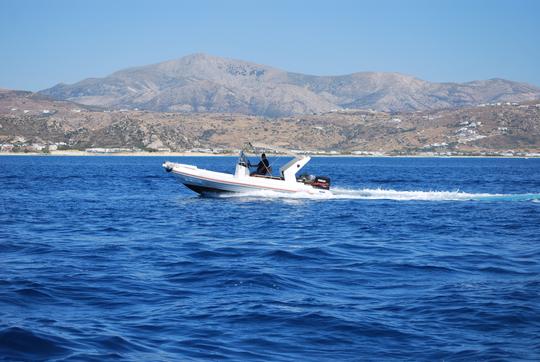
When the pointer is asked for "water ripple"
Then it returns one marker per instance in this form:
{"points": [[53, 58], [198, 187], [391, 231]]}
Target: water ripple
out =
{"points": [[414, 259]]}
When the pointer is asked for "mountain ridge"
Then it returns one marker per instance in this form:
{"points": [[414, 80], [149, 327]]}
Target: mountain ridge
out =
{"points": [[205, 83], [30, 122]]}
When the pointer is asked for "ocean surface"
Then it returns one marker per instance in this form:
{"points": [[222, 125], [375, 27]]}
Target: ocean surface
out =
{"points": [[109, 258]]}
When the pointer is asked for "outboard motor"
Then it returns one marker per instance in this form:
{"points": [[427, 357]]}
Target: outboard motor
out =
{"points": [[320, 182]]}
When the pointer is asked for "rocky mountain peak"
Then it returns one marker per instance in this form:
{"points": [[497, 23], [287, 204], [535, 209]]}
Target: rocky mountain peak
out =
{"points": [[205, 83]]}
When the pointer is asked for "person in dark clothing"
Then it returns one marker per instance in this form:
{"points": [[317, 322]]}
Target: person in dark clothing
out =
{"points": [[263, 168]]}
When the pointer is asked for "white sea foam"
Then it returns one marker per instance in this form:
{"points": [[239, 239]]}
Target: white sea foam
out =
{"points": [[388, 194], [385, 194], [267, 194]]}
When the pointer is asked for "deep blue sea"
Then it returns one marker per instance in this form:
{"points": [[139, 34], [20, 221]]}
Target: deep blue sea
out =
{"points": [[109, 258]]}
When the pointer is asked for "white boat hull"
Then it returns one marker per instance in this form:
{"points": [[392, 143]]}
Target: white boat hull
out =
{"points": [[209, 182]]}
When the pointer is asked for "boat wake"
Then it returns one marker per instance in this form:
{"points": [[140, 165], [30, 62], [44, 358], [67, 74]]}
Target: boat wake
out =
{"points": [[387, 194], [384, 194]]}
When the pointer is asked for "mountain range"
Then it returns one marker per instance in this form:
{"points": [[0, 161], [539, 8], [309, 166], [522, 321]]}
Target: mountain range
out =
{"points": [[202, 83], [31, 122]]}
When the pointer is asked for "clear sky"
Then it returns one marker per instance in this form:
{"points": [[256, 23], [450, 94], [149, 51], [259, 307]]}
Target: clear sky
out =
{"points": [[47, 42]]}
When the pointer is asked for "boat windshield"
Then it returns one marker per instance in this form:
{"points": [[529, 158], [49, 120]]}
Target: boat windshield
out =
{"points": [[242, 160]]}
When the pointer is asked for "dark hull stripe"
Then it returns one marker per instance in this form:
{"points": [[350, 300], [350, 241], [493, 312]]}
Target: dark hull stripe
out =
{"points": [[204, 190]]}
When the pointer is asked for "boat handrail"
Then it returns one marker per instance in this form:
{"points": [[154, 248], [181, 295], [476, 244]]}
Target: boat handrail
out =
{"points": [[273, 148], [269, 177]]}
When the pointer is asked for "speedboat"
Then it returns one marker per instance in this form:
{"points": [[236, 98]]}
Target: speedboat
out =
{"points": [[207, 182]]}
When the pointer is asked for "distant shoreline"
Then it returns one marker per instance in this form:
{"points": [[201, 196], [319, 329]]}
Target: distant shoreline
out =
{"points": [[202, 154], [100, 154]]}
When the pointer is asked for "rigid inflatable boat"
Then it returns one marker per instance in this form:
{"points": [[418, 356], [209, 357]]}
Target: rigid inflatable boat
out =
{"points": [[242, 181]]}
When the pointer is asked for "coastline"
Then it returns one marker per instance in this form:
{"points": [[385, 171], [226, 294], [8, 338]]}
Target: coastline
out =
{"points": [[101, 154], [73, 153]]}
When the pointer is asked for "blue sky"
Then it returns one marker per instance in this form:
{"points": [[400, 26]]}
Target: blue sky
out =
{"points": [[46, 42]]}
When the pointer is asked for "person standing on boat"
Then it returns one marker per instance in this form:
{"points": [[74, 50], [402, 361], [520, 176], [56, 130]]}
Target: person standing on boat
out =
{"points": [[263, 168]]}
